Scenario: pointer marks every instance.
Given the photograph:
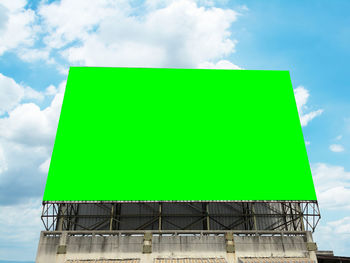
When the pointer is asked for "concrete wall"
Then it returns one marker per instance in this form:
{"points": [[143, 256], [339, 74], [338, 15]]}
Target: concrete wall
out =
{"points": [[64, 246]]}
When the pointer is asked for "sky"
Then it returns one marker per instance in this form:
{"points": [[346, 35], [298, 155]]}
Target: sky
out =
{"points": [[40, 40]]}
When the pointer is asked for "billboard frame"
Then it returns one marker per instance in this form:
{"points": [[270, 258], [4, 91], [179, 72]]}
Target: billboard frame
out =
{"points": [[283, 215]]}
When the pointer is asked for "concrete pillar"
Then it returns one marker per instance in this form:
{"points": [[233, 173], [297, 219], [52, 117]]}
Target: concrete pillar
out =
{"points": [[311, 246], [62, 248], [147, 243], [230, 247]]}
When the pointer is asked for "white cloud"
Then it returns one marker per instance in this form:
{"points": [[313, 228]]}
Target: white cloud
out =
{"points": [[11, 93], [177, 34], [63, 70], [306, 118], [3, 162], [67, 21], [335, 198], [3, 18], [14, 5], [341, 226], [44, 167], [32, 94], [18, 25], [50, 90], [29, 215], [20, 227], [336, 148], [184, 33], [334, 235], [307, 142], [28, 124], [123, 54], [26, 138], [222, 64], [31, 55], [301, 96], [332, 186]]}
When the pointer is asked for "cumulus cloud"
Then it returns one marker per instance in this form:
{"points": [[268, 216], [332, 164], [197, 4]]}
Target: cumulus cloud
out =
{"points": [[66, 21], [178, 34], [11, 93], [336, 148], [184, 33], [44, 167], [26, 137], [62, 70], [51, 90], [3, 163], [32, 54], [17, 25], [341, 226], [27, 123], [20, 227], [332, 186], [222, 64], [334, 235], [301, 96]]}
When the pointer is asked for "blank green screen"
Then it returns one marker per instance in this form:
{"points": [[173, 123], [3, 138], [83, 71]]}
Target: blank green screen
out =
{"points": [[178, 134]]}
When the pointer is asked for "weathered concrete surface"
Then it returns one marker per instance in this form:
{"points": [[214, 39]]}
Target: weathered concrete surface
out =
{"points": [[270, 246], [168, 246]]}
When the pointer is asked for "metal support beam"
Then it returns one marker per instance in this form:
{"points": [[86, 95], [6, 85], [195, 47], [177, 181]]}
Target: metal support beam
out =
{"points": [[112, 217], [181, 215], [160, 217]]}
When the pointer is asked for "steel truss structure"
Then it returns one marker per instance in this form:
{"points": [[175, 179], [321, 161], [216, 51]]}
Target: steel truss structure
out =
{"points": [[91, 233], [242, 215]]}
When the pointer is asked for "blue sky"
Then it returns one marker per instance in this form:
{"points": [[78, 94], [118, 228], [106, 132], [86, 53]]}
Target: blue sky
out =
{"points": [[39, 40]]}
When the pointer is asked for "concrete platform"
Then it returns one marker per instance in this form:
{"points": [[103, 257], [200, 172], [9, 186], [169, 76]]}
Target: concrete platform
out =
{"points": [[176, 247]]}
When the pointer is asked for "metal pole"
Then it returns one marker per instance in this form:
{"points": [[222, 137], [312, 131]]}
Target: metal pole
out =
{"points": [[112, 215], [208, 222], [160, 217]]}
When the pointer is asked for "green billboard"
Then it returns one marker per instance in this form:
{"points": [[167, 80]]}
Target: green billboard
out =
{"points": [[147, 134]]}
